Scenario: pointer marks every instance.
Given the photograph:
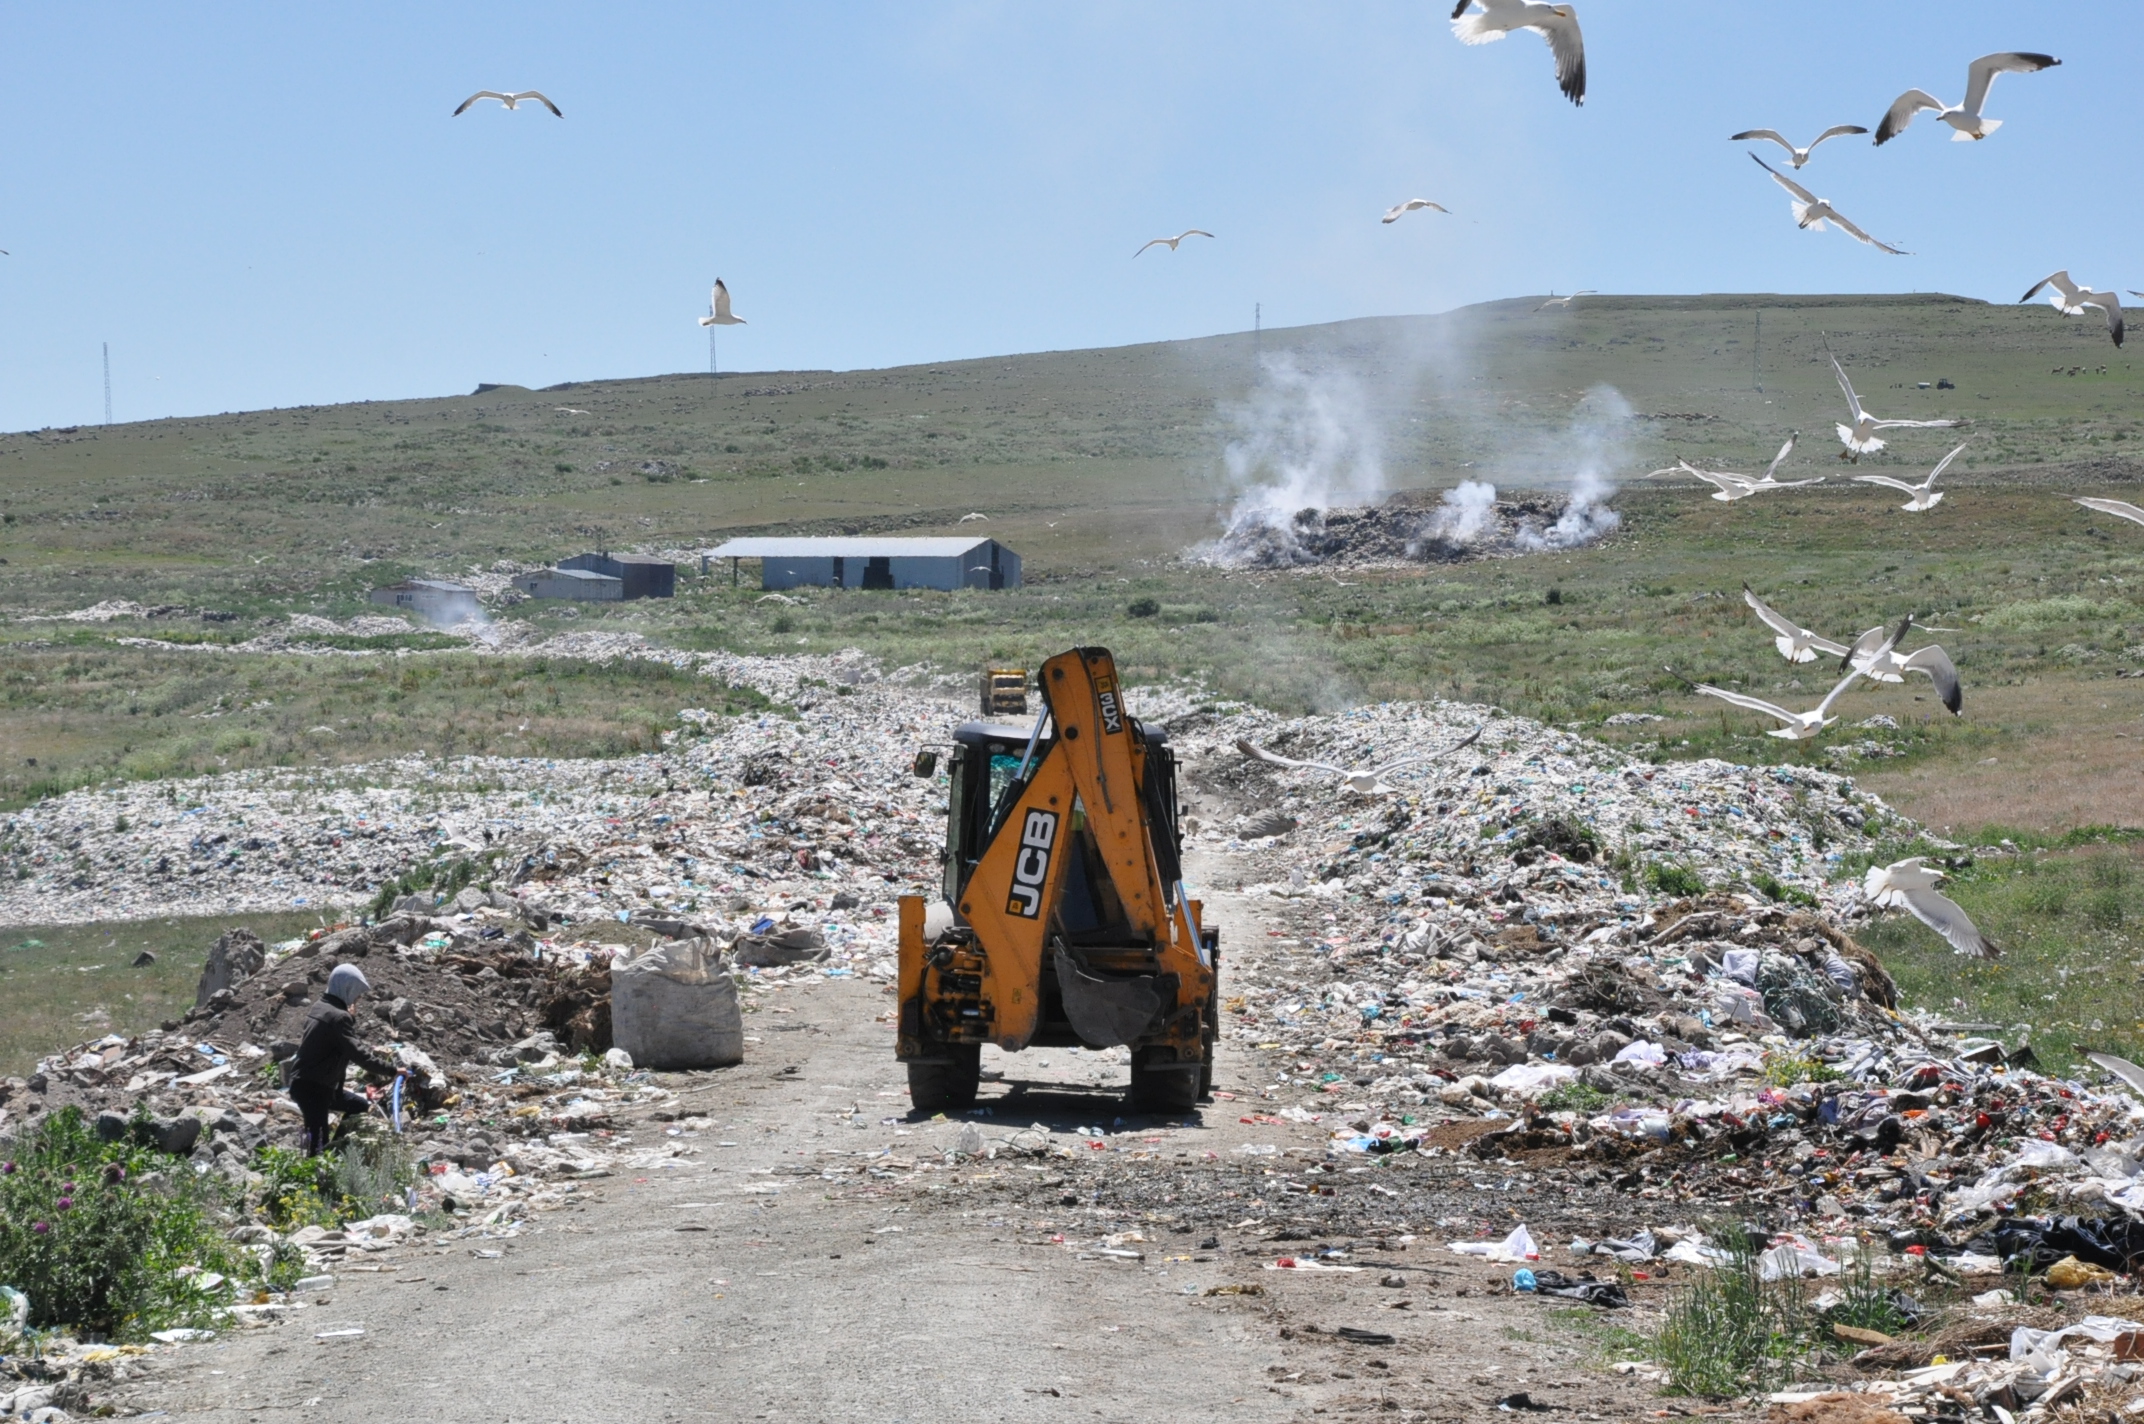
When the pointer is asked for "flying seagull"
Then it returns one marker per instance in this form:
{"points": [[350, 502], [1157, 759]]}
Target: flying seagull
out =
{"points": [[1860, 438], [1726, 488], [1812, 212], [2121, 1068], [2115, 507], [1413, 205], [1172, 241], [1796, 157], [718, 303], [1795, 643], [1966, 119], [1910, 885], [1800, 726], [1370, 780], [511, 101], [1565, 302], [2071, 300], [1558, 24], [1880, 663], [1732, 486], [1925, 495], [1758, 486]]}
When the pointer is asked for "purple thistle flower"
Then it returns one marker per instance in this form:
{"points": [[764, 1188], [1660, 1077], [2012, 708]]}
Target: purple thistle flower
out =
{"points": [[64, 1204], [40, 1227]]}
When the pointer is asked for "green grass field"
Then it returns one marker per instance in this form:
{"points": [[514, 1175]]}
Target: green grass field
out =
{"points": [[61, 984], [1101, 468]]}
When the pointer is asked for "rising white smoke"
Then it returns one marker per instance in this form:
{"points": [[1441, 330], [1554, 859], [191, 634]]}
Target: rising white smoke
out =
{"points": [[1590, 450], [1305, 440], [1464, 515]]}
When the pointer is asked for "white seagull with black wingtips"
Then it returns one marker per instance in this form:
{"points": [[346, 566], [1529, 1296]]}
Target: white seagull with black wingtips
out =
{"points": [[1558, 24], [1796, 157], [1860, 438], [1925, 495], [1910, 885], [1812, 212], [1966, 118], [2072, 300]]}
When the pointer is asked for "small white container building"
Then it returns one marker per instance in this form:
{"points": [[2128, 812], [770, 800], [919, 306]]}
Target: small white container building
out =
{"points": [[436, 601], [958, 561]]}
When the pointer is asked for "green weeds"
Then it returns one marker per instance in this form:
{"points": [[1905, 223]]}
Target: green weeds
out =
{"points": [[1730, 1332], [106, 1237]]}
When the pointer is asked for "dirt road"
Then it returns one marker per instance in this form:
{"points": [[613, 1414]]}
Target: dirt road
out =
{"points": [[814, 1255]]}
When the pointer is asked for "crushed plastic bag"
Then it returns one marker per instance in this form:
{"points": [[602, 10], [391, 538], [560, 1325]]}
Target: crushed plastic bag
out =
{"points": [[1532, 1079], [1518, 1246]]}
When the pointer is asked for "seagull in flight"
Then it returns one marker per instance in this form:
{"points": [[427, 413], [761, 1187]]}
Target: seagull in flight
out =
{"points": [[1368, 780], [1726, 488], [1812, 212], [2115, 507], [1565, 302], [1795, 643], [511, 101], [1170, 242], [1910, 885], [2071, 300], [1412, 205], [1558, 24], [1966, 119], [718, 304], [1860, 438], [1879, 661], [1796, 157], [1925, 495], [1800, 726], [1731, 486]]}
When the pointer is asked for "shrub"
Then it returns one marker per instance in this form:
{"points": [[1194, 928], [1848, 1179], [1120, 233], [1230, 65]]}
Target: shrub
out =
{"points": [[95, 1233], [1679, 880], [1573, 1097], [1143, 608]]}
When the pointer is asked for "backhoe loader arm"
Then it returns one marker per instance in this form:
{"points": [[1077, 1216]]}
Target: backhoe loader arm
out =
{"points": [[1010, 897], [1108, 766]]}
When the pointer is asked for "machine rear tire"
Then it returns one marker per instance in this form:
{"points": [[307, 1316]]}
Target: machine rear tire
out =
{"points": [[1174, 1088], [947, 1087]]}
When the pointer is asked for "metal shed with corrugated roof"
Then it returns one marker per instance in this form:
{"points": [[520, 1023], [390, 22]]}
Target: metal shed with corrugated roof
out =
{"points": [[869, 561]]}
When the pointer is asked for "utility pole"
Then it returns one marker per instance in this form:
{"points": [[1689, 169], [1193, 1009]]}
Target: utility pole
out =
{"points": [[107, 383]]}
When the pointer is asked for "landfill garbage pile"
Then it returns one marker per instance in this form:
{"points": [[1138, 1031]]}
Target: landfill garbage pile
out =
{"points": [[1535, 980], [1406, 528], [819, 792]]}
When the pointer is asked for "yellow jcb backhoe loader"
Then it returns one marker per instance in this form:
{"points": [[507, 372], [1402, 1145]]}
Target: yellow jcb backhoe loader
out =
{"points": [[1069, 923]]}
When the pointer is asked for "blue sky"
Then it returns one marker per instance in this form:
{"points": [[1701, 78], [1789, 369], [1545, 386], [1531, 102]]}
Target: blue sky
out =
{"points": [[269, 205]]}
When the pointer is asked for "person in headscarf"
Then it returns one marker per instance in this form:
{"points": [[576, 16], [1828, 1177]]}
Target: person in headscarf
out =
{"points": [[325, 1052]]}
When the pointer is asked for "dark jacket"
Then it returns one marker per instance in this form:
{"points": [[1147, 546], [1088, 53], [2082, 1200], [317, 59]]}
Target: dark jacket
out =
{"points": [[329, 1046]]}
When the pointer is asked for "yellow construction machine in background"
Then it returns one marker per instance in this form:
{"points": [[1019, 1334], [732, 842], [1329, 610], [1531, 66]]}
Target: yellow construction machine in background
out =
{"points": [[1068, 920]]}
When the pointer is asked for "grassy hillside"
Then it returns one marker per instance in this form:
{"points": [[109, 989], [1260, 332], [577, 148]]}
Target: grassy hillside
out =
{"points": [[1101, 467]]}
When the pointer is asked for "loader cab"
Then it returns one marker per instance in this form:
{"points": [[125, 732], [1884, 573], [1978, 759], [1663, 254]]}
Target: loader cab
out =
{"points": [[984, 769]]}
